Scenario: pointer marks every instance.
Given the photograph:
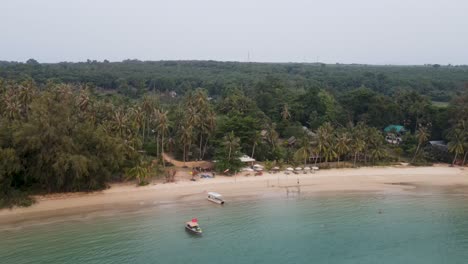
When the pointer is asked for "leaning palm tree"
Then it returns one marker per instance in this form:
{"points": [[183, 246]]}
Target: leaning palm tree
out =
{"points": [[257, 137], [422, 136], [457, 142]]}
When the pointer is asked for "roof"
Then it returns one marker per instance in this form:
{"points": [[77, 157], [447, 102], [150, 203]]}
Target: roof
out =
{"points": [[397, 128], [438, 143], [215, 194], [246, 158]]}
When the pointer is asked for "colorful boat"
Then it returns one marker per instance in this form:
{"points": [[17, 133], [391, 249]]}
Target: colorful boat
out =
{"points": [[193, 227]]}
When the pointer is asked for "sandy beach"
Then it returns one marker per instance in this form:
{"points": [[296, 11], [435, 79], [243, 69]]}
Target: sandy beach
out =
{"points": [[128, 196]]}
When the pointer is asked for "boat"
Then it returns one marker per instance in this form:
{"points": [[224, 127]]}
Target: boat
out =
{"points": [[193, 227], [215, 197]]}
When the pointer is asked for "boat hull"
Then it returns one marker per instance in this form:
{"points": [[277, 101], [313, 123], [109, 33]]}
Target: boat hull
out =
{"points": [[215, 201], [194, 232]]}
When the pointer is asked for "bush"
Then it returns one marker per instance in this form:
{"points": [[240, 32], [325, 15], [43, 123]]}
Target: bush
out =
{"points": [[16, 198]]}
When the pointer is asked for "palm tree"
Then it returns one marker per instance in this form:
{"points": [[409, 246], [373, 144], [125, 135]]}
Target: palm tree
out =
{"points": [[139, 172], [422, 135], [185, 137], [457, 141], [162, 127], [120, 121], [325, 144], [255, 140], [358, 143], [231, 142], [210, 125], [305, 151], [285, 115], [342, 144]]}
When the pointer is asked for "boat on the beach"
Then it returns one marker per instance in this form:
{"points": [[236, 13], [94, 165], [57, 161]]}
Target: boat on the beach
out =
{"points": [[193, 227], [215, 198]]}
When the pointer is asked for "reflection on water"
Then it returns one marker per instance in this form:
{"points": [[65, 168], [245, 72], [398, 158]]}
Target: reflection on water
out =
{"points": [[370, 228]]}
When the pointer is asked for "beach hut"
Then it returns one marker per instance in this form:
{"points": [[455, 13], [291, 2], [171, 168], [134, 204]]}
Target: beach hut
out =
{"points": [[393, 133]]}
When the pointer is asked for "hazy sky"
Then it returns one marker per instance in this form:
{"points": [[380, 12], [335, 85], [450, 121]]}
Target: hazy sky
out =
{"points": [[346, 31]]}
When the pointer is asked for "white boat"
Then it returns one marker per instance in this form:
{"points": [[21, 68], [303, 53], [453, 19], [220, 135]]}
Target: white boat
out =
{"points": [[215, 197]]}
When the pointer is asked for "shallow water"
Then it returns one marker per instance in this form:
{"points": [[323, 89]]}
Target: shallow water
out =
{"points": [[348, 228]]}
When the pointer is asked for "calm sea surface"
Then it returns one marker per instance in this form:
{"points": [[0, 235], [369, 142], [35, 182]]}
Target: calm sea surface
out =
{"points": [[321, 229]]}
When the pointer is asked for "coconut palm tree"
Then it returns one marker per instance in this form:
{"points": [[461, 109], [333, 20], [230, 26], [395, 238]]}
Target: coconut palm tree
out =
{"points": [[257, 137], [358, 142], [209, 125], [325, 141], [120, 122], [139, 172], [162, 127], [230, 141], [285, 115], [457, 141], [422, 136], [185, 137], [342, 144], [305, 151]]}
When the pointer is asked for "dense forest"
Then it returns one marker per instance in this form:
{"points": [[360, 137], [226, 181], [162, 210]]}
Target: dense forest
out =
{"points": [[78, 126]]}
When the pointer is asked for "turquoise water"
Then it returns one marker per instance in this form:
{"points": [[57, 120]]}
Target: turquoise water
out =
{"points": [[321, 229]]}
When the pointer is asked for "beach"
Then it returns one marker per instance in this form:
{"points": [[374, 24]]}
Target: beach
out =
{"points": [[127, 196]]}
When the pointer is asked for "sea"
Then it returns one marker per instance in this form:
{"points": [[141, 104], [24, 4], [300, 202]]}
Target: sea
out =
{"points": [[346, 227]]}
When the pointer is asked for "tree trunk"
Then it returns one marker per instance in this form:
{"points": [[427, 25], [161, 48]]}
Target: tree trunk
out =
{"points": [[144, 127], [416, 153], [204, 148], [157, 144], [338, 161], [201, 140], [455, 158], [162, 149], [464, 158], [184, 154], [253, 151], [355, 157]]}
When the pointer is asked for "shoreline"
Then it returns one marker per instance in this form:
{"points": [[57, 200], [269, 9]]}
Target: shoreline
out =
{"points": [[124, 197]]}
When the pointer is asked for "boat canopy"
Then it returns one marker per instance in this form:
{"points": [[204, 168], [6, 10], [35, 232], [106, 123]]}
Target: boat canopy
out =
{"points": [[192, 224], [215, 194]]}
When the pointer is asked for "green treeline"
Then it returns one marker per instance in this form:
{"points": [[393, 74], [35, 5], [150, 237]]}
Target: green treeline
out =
{"points": [[133, 77], [79, 126]]}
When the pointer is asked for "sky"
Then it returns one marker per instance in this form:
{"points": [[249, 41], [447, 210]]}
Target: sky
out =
{"points": [[329, 31]]}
